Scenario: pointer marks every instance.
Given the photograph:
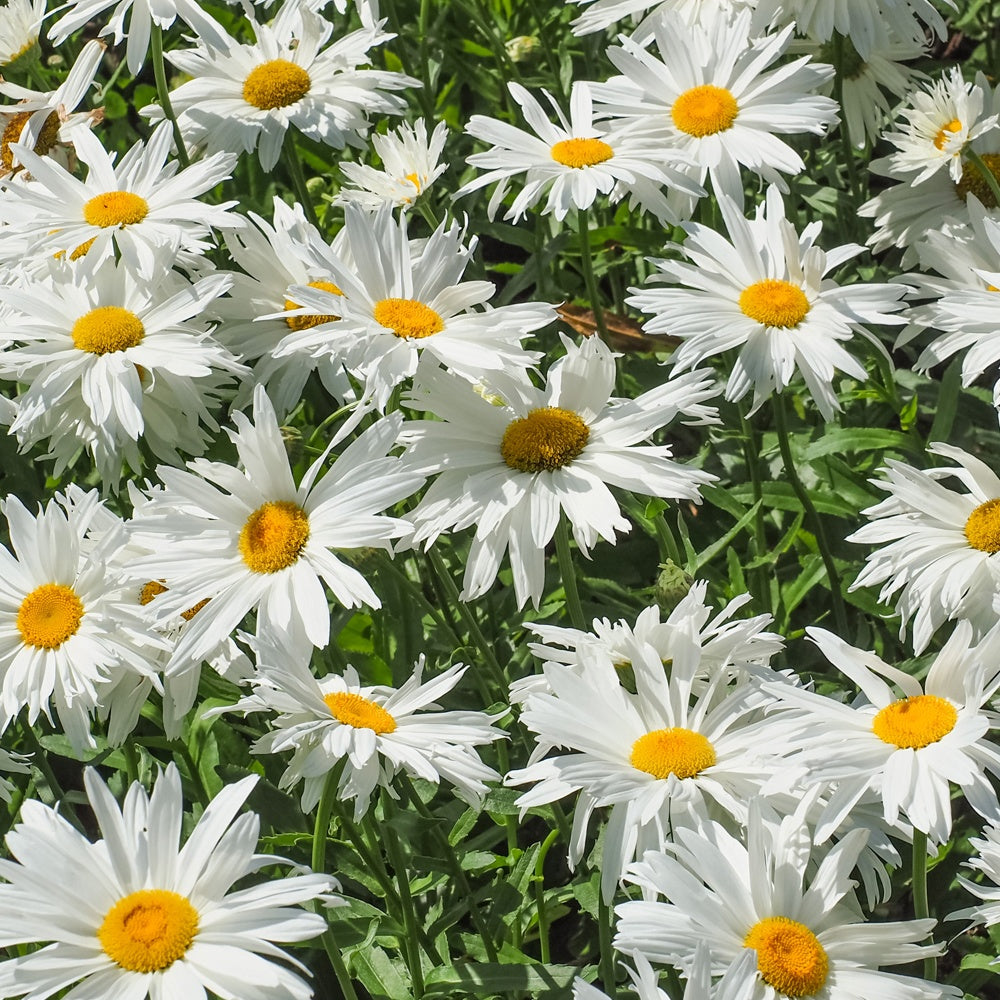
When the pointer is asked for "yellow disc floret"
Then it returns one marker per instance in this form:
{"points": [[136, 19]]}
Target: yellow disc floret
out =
{"points": [[273, 536], [581, 152], [982, 529], [148, 930], [150, 590], [115, 208], [704, 110], [12, 133], [107, 329], [774, 303], [408, 318], [790, 958], [974, 182], [946, 132], [547, 438], [276, 84], [308, 322], [681, 752], [49, 615], [913, 723], [353, 710]]}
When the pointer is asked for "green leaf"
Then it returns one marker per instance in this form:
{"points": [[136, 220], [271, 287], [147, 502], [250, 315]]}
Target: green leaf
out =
{"points": [[384, 979], [485, 979], [114, 105], [841, 439]]}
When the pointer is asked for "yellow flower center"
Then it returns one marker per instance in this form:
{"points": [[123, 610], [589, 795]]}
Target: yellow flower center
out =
{"points": [[12, 133], [982, 529], [547, 438], [408, 318], [156, 587], [308, 322], [148, 930], [273, 536], [107, 329], [774, 303], [49, 615], [974, 182], [353, 710], [704, 110], [916, 722], [115, 208], [414, 179], [663, 752], [581, 152], [275, 84], [80, 251], [789, 956], [946, 132]]}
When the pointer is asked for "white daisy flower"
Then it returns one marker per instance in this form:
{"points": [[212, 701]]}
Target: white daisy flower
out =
{"points": [[19, 28], [144, 15], [135, 206], [765, 293], [575, 162], [513, 470], [410, 165], [810, 940], [909, 749], [41, 119], [937, 553], [397, 300], [136, 915], [245, 96], [660, 758], [377, 731], [710, 95], [603, 13], [266, 543], [68, 636], [109, 360], [986, 912]]}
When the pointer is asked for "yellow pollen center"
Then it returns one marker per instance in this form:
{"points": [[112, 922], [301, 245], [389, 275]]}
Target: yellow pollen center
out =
{"points": [[982, 529], [916, 722], [946, 132], [353, 710], [308, 322], [774, 303], [115, 208], [275, 84], [107, 329], [408, 318], [547, 438], [789, 956], [581, 152], [273, 536], [414, 179], [663, 752], [148, 930], [973, 182], [12, 133], [704, 110], [49, 615], [150, 590]]}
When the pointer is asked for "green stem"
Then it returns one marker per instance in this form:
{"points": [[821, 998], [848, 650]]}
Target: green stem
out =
{"points": [[607, 952], [587, 264], [103, 92], [988, 175], [163, 93], [294, 165], [543, 917], [410, 923], [836, 594], [751, 455], [921, 910], [131, 761], [40, 759], [845, 138], [568, 573]]}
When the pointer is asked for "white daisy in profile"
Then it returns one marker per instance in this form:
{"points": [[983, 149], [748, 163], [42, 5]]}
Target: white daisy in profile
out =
{"points": [[243, 97], [765, 293], [138, 915], [41, 119], [377, 731], [411, 163], [708, 93], [134, 206], [600, 14], [398, 299], [660, 758], [937, 548], [266, 544], [575, 161], [109, 360], [514, 470], [909, 750], [987, 911], [774, 894], [19, 29], [67, 634]]}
